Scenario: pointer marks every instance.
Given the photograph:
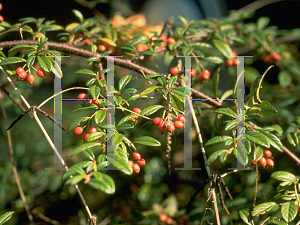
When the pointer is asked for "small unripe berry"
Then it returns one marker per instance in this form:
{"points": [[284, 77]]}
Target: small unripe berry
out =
{"points": [[101, 48], [136, 168], [205, 74], [93, 130], [30, 78], [163, 38], [82, 96], [136, 155], [174, 71], [40, 73], [181, 118], [193, 72], [171, 40], [157, 121], [163, 217], [270, 162], [78, 130], [178, 124], [19, 70], [263, 161], [142, 162], [268, 153]]}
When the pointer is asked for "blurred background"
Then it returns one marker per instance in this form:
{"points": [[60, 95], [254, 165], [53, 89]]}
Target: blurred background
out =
{"points": [[44, 189]]}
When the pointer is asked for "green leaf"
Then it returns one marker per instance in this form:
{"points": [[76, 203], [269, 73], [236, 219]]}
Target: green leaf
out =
{"points": [[217, 139], [215, 81], [95, 92], [148, 52], [245, 216], [147, 141], [123, 82], [289, 211], [99, 116], [262, 22], [187, 51], [223, 47], [5, 217], [85, 146], [274, 141], [258, 153], [213, 59], [150, 110], [176, 101], [125, 127], [262, 208], [267, 110], [257, 138], [287, 177], [108, 41], [201, 44], [284, 78], [11, 60], [214, 156], [45, 63], [121, 164], [103, 182], [76, 179], [292, 139], [78, 15], [129, 91], [94, 136], [128, 47], [152, 76], [171, 81], [150, 89], [90, 81], [76, 122], [118, 100], [228, 112], [230, 125], [86, 71], [93, 59], [126, 118], [30, 61], [161, 80], [183, 20]]}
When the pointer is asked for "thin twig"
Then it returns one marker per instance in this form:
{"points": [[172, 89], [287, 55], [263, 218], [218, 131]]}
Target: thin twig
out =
{"points": [[257, 5], [14, 165]]}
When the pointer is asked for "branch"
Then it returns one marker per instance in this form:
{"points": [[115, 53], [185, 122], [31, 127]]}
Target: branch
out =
{"points": [[257, 5]]}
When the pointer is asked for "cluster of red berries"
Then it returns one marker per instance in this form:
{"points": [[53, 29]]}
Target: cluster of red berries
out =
{"points": [[272, 58], [203, 76], [135, 110], [168, 125], [22, 75], [83, 96], [164, 218], [79, 130], [1, 17], [265, 161], [140, 162], [234, 61], [170, 40]]}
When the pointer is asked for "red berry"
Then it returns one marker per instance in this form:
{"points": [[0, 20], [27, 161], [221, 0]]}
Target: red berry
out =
{"points": [[270, 162], [96, 101], [171, 40], [136, 168], [236, 61], [84, 136], [22, 75], [169, 220], [161, 128], [205, 74], [132, 119], [19, 70], [1, 18], [1, 6], [82, 96], [233, 53], [178, 124], [229, 62], [263, 161], [101, 48], [30, 78], [130, 162], [139, 48], [253, 163], [268, 153], [163, 217], [93, 130], [193, 72], [157, 121], [78, 130], [174, 71], [163, 38], [181, 118], [136, 155], [88, 42], [142, 162], [40, 73], [200, 78], [276, 56], [170, 126], [137, 110]]}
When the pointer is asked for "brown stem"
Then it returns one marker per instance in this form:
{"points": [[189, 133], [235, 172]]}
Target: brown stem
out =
{"points": [[257, 5]]}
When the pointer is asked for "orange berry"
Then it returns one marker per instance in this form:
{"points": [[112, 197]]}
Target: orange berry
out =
{"points": [[178, 124], [136, 168], [268, 153], [30, 78], [82, 96], [270, 162], [174, 71], [142, 162], [93, 130], [193, 72], [205, 74], [171, 40], [136, 155], [40, 73], [78, 130], [157, 121], [161, 128], [163, 217], [19, 70], [101, 48], [163, 38], [263, 161], [181, 118]]}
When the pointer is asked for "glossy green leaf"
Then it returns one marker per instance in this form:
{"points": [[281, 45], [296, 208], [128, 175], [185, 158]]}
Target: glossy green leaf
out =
{"points": [[217, 139], [213, 59], [78, 15], [287, 177], [245, 216], [262, 208], [284, 78], [289, 211], [30, 61], [5, 217], [108, 41], [230, 125], [45, 63], [274, 141], [118, 100], [149, 90], [171, 81], [267, 110], [94, 136], [258, 153], [129, 91], [152, 76], [125, 127], [262, 22], [76, 179], [95, 92], [148, 52], [175, 101], [85, 146], [126, 118], [123, 82], [11, 60], [86, 71], [103, 182], [257, 138], [100, 116], [214, 156], [223, 47], [146, 141], [228, 112], [76, 122], [150, 110]]}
